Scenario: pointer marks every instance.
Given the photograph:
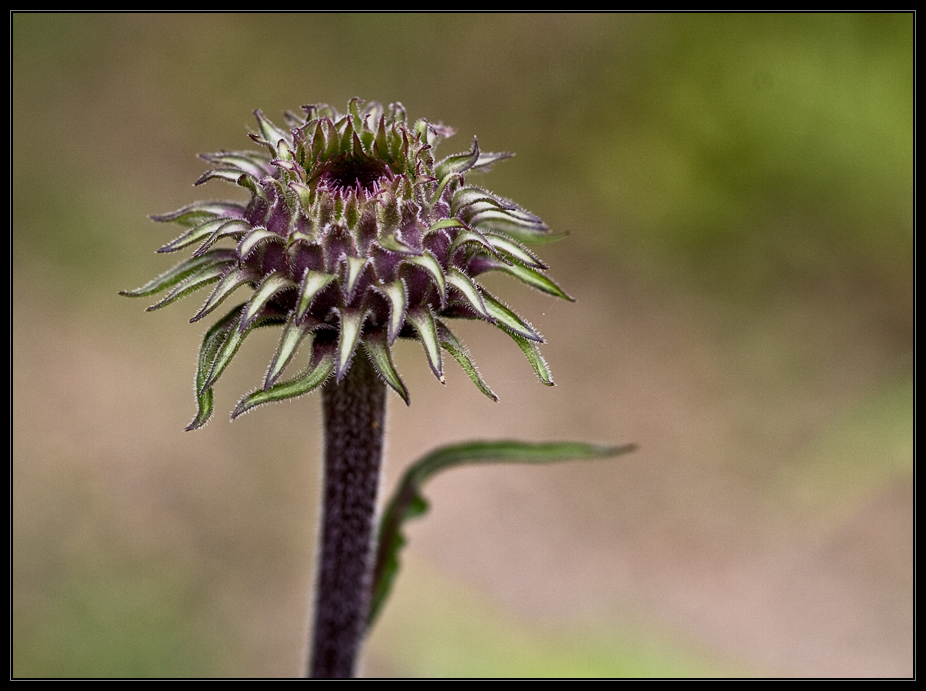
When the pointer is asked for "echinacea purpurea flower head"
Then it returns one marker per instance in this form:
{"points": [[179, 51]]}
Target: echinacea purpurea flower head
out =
{"points": [[354, 236]]}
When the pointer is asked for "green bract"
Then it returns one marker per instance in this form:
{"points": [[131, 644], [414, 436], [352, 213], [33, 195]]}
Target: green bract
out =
{"points": [[353, 236]]}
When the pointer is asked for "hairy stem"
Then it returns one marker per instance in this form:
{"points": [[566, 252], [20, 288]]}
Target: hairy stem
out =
{"points": [[354, 412]]}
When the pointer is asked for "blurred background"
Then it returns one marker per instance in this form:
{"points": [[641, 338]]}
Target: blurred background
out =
{"points": [[738, 191]]}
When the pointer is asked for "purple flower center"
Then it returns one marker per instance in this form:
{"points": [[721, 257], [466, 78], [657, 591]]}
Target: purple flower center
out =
{"points": [[349, 172]]}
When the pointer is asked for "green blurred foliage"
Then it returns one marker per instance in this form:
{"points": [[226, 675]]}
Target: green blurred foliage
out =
{"points": [[769, 146]]}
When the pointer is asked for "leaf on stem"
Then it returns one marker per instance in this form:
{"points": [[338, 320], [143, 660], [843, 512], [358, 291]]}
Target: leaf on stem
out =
{"points": [[408, 502]]}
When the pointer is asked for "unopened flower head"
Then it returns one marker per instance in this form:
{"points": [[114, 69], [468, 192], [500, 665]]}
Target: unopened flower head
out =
{"points": [[354, 236]]}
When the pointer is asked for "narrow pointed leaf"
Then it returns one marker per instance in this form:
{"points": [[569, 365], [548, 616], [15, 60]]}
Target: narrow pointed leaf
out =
{"points": [[532, 353], [518, 229], [305, 194], [464, 285], [467, 196], [443, 185], [234, 228], [233, 175], [351, 326], [458, 163], [479, 201], [355, 267], [447, 223], [423, 321], [527, 275], [284, 152], [311, 378], [394, 244], [229, 283], [290, 167], [331, 139], [289, 196], [174, 276], [469, 237], [258, 157], [409, 502], [312, 284], [268, 130], [427, 262], [256, 238], [377, 347], [486, 159], [271, 285], [452, 345], [208, 274], [193, 235], [197, 212], [240, 161], [516, 251], [509, 320], [398, 303], [489, 213], [347, 136], [251, 185], [212, 343], [292, 336], [231, 345]]}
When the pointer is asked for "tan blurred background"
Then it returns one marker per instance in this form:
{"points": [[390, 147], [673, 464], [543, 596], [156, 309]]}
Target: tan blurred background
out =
{"points": [[738, 190]]}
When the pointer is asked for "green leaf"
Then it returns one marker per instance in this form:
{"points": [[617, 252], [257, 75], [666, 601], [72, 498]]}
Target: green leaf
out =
{"points": [[527, 275], [229, 347], [227, 285], [312, 284], [305, 194], [442, 186], [390, 242], [408, 502], [235, 228], [486, 159], [355, 267], [213, 342], [268, 130], [510, 321], [228, 174], [532, 353], [352, 319], [398, 303], [257, 237], [421, 318], [170, 278], [518, 226], [312, 377], [377, 347], [208, 274], [468, 236], [292, 336], [427, 262], [458, 163], [465, 286], [515, 251], [452, 345], [193, 235], [252, 163], [197, 212], [466, 196], [272, 285]]}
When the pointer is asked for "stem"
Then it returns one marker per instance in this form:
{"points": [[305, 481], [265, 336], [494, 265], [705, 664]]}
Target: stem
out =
{"points": [[354, 414]]}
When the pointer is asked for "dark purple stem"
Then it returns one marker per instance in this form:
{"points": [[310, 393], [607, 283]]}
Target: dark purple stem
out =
{"points": [[354, 414]]}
